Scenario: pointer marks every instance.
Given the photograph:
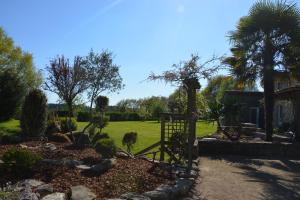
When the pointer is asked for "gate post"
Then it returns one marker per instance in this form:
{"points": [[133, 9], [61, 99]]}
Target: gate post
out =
{"points": [[162, 137]]}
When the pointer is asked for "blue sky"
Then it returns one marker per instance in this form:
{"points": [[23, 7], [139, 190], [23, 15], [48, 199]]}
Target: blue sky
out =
{"points": [[144, 35]]}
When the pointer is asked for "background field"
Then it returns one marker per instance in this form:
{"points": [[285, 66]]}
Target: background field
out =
{"points": [[148, 131]]}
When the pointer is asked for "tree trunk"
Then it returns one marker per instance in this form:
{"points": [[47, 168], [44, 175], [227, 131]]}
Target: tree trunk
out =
{"points": [[70, 109], [191, 111], [268, 81]]}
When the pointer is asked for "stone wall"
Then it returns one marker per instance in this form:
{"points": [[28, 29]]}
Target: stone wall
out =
{"points": [[216, 147]]}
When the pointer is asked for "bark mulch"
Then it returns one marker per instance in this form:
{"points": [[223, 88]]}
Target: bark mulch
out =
{"points": [[128, 175]]}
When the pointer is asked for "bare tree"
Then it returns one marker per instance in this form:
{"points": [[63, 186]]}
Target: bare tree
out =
{"points": [[66, 81]]}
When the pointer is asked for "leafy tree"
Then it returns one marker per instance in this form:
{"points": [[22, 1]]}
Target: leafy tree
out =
{"points": [[68, 82], [129, 139], [263, 42], [103, 75], [34, 113], [177, 102], [12, 91], [153, 106], [99, 120], [12, 56], [128, 105]]}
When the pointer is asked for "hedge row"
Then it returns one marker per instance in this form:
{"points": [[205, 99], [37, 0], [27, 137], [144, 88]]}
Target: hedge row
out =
{"points": [[113, 116]]}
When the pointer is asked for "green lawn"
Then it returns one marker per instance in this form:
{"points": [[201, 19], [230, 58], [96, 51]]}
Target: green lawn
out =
{"points": [[148, 131], [10, 127]]}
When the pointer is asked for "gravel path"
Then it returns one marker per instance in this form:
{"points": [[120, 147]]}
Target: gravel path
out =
{"points": [[241, 178]]}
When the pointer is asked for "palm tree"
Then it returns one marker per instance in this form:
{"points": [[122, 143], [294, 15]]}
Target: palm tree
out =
{"points": [[262, 42]]}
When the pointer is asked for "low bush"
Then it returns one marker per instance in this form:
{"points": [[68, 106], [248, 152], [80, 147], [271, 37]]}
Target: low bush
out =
{"points": [[129, 139], [68, 125], [106, 147], [10, 139], [62, 113], [98, 136], [126, 116], [9, 195], [83, 116], [53, 126], [19, 161]]}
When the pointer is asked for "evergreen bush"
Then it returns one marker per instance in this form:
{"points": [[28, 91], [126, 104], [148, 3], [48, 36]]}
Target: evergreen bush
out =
{"points": [[34, 114]]}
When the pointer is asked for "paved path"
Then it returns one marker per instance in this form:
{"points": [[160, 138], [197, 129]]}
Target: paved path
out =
{"points": [[239, 178]]}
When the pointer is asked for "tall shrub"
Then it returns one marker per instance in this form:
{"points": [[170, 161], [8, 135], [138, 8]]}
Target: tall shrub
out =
{"points": [[34, 114], [11, 93]]}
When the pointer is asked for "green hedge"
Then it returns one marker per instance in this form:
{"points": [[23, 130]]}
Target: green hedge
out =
{"points": [[126, 116], [83, 116]]}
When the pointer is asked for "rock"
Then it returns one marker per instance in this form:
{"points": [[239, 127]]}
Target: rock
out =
{"points": [[81, 192], [49, 146], [182, 186], [51, 162], [192, 174], [1, 161], [29, 182], [83, 167], [55, 196], [44, 189], [134, 196], [83, 140], [69, 163], [59, 137], [105, 165], [26, 193], [121, 154], [157, 195], [167, 189], [23, 146]]}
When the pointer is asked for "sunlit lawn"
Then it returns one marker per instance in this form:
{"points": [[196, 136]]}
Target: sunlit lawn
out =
{"points": [[148, 131]]}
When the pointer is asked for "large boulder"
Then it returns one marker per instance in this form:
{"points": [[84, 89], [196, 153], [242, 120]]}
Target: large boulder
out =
{"points": [[44, 190], [81, 192], [59, 137], [105, 165], [55, 196], [83, 140], [26, 193], [134, 196], [49, 147]]}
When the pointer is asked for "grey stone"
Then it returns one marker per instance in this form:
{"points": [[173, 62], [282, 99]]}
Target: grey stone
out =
{"points": [[30, 182], [157, 195], [44, 189], [1, 161], [183, 186], [49, 146], [105, 165], [72, 163], [55, 196], [167, 189], [26, 193], [81, 192], [52, 161], [134, 196], [121, 154], [66, 162], [83, 167]]}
